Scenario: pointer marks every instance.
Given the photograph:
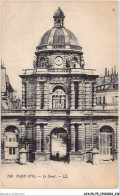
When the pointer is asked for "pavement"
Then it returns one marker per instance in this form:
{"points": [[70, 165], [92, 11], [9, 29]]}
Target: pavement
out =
{"points": [[52, 174]]}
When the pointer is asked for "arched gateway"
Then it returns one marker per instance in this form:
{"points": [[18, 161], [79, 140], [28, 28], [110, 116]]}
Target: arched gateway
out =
{"points": [[59, 144], [11, 143]]}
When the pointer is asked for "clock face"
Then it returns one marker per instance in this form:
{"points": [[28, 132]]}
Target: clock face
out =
{"points": [[58, 60]]}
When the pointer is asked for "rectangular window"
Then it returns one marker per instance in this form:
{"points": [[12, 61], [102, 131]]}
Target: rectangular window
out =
{"points": [[104, 100], [10, 139], [10, 150], [42, 94], [76, 94], [58, 101], [25, 94], [13, 150], [93, 91], [99, 100], [116, 100]]}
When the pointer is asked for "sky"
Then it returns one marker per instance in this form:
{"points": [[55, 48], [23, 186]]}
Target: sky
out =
{"points": [[95, 24]]}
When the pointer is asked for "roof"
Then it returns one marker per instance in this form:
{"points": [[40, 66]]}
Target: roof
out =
{"points": [[113, 85], [60, 37], [59, 14]]}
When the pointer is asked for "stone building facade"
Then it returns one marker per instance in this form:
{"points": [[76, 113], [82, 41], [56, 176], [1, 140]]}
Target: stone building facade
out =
{"points": [[9, 98], [59, 97], [107, 90]]}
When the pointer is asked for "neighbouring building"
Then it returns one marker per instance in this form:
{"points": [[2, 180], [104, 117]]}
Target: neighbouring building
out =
{"points": [[107, 91], [60, 119], [9, 98]]}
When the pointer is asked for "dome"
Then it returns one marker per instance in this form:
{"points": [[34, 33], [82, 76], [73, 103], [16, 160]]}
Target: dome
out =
{"points": [[58, 37]]}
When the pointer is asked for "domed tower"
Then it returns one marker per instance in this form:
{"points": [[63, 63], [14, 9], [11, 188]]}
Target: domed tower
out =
{"points": [[59, 48], [57, 92]]}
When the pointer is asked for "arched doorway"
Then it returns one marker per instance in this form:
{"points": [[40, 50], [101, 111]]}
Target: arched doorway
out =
{"points": [[106, 143], [59, 144], [11, 144]]}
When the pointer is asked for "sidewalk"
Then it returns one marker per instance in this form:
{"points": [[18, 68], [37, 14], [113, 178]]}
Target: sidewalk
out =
{"points": [[59, 175]]}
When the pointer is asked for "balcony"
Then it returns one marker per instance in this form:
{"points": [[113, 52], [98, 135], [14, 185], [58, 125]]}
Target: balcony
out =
{"points": [[60, 113], [83, 71], [59, 71], [58, 47]]}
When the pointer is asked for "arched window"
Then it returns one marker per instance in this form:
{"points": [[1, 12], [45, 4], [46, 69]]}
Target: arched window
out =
{"points": [[11, 143], [74, 62], [42, 62], [59, 98], [106, 142]]}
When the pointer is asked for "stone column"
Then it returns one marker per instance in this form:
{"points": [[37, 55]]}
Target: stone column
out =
{"points": [[38, 138], [46, 95], [81, 137], [72, 138], [38, 96], [72, 96]]}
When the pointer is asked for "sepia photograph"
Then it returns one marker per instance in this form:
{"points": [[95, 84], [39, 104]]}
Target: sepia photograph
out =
{"points": [[59, 95]]}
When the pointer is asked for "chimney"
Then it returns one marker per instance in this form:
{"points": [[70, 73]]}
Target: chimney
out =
{"points": [[105, 71], [108, 72], [114, 69]]}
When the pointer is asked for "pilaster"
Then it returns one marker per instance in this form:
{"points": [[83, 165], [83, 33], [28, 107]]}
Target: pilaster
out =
{"points": [[93, 94], [72, 96], [72, 138], [46, 95], [88, 95], [81, 137], [81, 95], [38, 138], [38, 96], [22, 135], [23, 95]]}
